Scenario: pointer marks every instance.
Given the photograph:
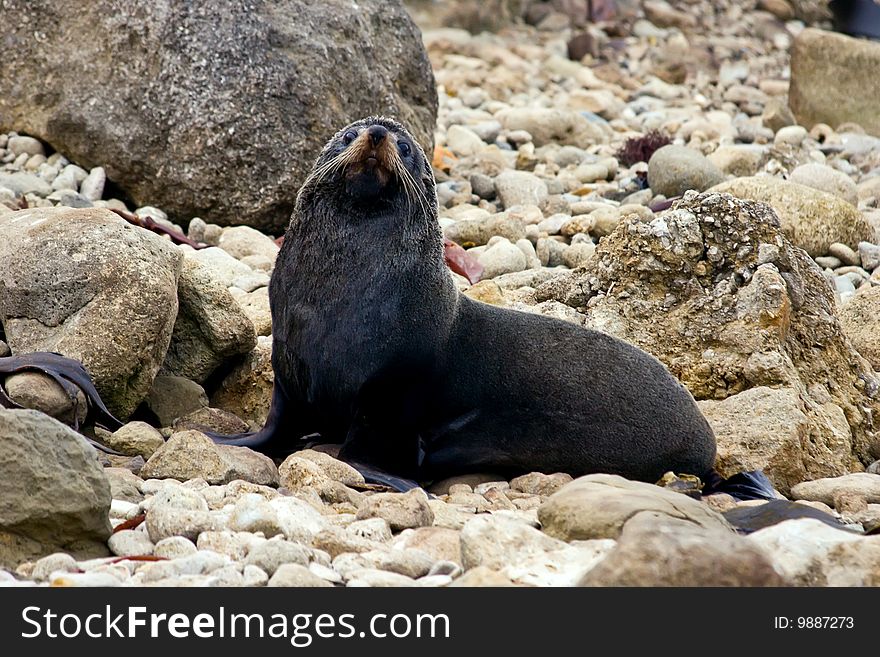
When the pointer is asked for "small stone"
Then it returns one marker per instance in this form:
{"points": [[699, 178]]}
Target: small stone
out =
{"points": [[172, 397], [520, 188], [828, 262], [379, 578], [869, 255], [373, 529], [60, 561], [210, 419], [334, 468], [335, 541], [578, 254], [174, 547], [296, 575], [482, 185], [243, 241], [135, 438], [863, 484], [124, 485], [537, 483], [86, 580], [254, 576], [272, 554], [235, 545], [24, 145], [843, 253], [401, 510], [93, 186], [202, 562], [673, 170], [792, 135], [130, 543], [500, 258], [297, 473], [411, 563], [441, 543], [598, 506], [658, 550], [191, 454], [463, 142]]}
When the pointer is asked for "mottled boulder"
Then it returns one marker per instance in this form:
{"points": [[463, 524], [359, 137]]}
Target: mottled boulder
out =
{"points": [[715, 290], [860, 319], [600, 505], [210, 327], [834, 80], [212, 113], [810, 553], [771, 440], [53, 493], [247, 390], [191, 454], [810, 218], [88, 285], [657, 550]]}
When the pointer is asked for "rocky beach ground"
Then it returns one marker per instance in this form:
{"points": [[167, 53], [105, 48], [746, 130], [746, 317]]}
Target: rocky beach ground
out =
{"points": [[558, 146]]}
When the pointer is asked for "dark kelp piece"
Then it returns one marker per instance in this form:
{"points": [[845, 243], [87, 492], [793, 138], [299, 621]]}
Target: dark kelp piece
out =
{"points": [[71, 376]]}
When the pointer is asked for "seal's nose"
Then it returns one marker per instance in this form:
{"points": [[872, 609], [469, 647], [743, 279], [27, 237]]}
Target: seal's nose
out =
{"points": [[377, 134]]}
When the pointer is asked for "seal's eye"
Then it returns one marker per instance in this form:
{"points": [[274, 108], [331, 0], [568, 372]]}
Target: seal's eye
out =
{"points": [[349, 137], [404, 148]]}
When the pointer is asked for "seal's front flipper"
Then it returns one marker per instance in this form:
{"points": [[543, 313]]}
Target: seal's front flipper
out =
{"points": [[751, 485], [68, 373]]}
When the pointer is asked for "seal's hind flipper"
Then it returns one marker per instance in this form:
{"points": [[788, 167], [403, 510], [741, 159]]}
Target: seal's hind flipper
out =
{"points": [[67, 372], [751, 485], [280, 435], [748, 519], [374, 476]]}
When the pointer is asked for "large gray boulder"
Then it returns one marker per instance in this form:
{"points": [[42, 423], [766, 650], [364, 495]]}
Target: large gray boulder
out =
{"points": [[204, 112], [88, 285], [834, 80], [53, 492]]}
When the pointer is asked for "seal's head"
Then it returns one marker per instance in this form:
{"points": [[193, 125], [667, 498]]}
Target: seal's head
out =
{"points": [[374, 162]]}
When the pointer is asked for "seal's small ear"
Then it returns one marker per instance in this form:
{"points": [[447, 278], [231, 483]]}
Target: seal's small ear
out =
{"points": [[428, 176]]}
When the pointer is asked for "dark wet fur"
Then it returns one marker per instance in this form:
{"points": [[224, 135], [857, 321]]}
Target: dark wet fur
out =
{"points": [[375, 348]]}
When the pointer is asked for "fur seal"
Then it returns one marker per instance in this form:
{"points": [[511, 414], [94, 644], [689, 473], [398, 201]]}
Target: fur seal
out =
{"points": [[375, 348]]}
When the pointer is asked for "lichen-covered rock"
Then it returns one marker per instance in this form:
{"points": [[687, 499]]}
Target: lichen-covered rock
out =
{"points": [[810, 218], [88, 285], [715, 290], [208, 113]]}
